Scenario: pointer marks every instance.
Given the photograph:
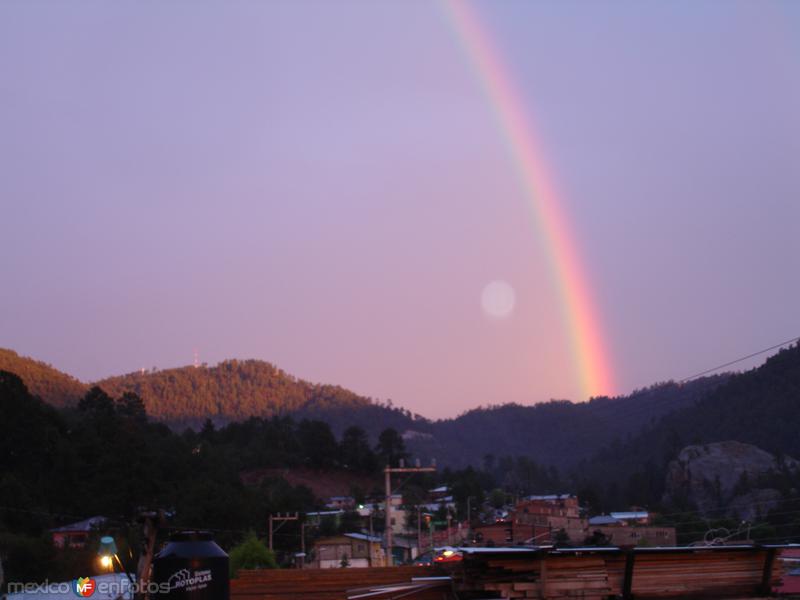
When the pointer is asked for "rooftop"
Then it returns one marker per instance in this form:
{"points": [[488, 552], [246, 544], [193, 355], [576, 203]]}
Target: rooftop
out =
{"points": [[86, 525], [550, 497], [363, 536], [603, 520], [632, 514]]}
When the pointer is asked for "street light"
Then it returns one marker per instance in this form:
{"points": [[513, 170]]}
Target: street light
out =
{"points": [[107, 552]]}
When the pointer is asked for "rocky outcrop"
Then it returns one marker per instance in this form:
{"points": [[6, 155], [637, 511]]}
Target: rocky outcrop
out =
{"points": [[726, 478]]}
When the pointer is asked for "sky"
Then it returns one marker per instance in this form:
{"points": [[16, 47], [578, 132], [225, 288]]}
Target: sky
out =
{"points": [[326, 186]]}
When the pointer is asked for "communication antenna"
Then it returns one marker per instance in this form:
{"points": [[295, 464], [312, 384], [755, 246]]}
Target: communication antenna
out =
{"points": [[196, 358]]}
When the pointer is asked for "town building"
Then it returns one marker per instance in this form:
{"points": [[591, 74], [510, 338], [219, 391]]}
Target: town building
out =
{"points": [[348, 549], [630, 528], [341, 503], [76, 535], [548, 519]]}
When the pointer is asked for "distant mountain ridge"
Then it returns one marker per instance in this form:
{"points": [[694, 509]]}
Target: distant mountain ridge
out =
{"points": [[559, 433], [232, 390]]}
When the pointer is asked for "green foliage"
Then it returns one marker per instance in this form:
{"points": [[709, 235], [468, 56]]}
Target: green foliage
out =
{"points": [[320, 445], [356, 451], [561, 538], [391, 447], [467, 491], [497, 498], [251, 554]]}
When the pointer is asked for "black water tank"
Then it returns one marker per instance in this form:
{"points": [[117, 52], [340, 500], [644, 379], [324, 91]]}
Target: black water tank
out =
{"points": [[192, 567]]}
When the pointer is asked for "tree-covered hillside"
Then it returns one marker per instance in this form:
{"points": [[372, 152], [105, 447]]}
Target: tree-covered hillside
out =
{"points": [[104, 456], [44, 381], [234, 390], [759, 407], [559, 433]]}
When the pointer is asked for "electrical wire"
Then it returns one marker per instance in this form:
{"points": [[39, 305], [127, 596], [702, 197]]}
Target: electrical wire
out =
{"points": [[738, 360]]}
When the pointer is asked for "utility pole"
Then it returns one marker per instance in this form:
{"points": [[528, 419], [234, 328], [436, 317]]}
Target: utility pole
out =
{"points": [[449, 535], [469, 515], [388, 475], [419, 530], [151, 521], [278, 517]]}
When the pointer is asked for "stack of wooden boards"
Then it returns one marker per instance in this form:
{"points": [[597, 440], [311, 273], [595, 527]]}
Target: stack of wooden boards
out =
{"points": [[719, 572], [597, 574], [327, 584]]}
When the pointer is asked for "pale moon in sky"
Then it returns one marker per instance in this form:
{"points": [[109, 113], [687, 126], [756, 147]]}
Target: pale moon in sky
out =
{"points": [[497, 299]]}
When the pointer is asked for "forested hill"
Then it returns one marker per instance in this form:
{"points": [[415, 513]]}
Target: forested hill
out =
{"points": [[558, 433], [759, 407], [44, 381], [234, 390]]}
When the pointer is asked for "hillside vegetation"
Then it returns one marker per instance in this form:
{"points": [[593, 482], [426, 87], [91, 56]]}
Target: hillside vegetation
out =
{"points": [[50, 384], [234, 390], [558, 433], [104, 456], [759, 407]]}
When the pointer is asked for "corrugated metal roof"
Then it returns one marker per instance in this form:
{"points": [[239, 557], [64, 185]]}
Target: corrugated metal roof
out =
{"points": [[632, 514], [603, 520], [325, 513], [85, 525], [363, 536], [550, 497]]}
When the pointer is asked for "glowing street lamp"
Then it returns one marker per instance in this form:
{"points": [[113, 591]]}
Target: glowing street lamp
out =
{"points": [[107, 552]]}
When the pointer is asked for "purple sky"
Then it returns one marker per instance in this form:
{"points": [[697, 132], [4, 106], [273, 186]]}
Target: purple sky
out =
{"points": [[323, 185]]}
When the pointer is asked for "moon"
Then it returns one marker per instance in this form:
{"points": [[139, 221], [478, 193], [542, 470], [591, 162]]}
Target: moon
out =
{"points": [[498, 299]]}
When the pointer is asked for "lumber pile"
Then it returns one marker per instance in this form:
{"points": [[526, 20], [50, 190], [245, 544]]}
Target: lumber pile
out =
{"points": [[319, 584], [559, 578], [597, 574], [723, 572]]}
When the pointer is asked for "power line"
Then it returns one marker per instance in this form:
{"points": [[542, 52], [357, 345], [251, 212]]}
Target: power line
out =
{"points": [[738, 360], [644, 407]]}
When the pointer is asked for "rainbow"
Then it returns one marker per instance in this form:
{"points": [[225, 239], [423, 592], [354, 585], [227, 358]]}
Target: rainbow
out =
{"points": [[586, 338]]}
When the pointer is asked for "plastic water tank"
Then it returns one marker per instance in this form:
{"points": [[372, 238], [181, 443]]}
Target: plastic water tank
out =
{"points": [[192, 567]]}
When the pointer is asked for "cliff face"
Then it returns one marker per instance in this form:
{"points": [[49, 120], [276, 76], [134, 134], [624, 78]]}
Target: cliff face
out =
{"points": [[726, 478]]}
